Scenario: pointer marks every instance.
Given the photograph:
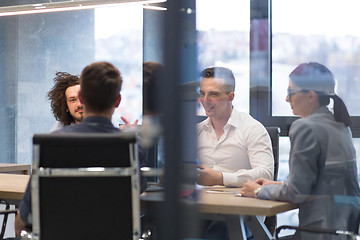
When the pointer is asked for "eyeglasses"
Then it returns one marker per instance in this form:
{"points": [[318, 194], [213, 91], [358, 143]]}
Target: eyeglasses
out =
{"points": [[291, 91]]}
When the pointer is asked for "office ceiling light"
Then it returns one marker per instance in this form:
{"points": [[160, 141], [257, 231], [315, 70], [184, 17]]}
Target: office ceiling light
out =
{"points": [[155, 6], [67, 6]]}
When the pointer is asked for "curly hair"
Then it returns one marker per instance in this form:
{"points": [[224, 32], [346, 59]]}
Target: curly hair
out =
{"points": [[57, 97]]}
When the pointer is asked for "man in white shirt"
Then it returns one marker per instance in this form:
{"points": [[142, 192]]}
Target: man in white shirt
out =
{"points": [[233, 147]]}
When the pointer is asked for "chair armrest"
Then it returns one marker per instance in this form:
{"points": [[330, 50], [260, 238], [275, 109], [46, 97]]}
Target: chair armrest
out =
{"points": [[317, 230], [6, 212]]}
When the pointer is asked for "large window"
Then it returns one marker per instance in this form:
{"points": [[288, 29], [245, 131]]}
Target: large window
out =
{"points": [[223, 40], [326, 35], [121, 44], [297, 32], [321, 31], [34, 47]]}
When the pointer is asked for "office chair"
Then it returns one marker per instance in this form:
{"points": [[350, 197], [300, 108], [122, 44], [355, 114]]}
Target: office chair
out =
{"points": [[6, 213], [349, 234], [270, 222], [274, 133], [85, 186]]}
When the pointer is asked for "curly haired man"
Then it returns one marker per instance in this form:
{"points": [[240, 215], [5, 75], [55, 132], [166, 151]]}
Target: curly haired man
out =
{"points": [[65, 104]]}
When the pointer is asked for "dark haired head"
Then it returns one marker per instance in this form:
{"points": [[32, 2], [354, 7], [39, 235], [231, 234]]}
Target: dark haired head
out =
{"points": [[57, 96], [100, 86], [315, 76], [223, 73]]}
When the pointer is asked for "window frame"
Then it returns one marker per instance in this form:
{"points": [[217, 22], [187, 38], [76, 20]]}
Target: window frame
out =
{"points": [[260, 86]]}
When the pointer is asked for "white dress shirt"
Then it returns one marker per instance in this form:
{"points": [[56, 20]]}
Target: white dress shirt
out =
{"points": [[242, 153]]}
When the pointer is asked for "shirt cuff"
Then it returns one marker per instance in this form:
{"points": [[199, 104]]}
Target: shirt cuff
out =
{"points": [[230, 179]]}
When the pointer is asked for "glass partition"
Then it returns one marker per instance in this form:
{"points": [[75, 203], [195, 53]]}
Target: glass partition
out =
{"points": [[36, 46], [223, 30]]}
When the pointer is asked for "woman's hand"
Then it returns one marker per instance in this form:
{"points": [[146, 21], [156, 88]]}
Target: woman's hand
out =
{"points": [[264, 182], [248, 190]]}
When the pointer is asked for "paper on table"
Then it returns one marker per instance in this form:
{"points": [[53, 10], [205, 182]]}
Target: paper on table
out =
{"points": [[222, 191]]}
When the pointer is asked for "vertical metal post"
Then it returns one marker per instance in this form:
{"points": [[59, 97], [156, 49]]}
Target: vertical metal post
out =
{"points": [[8, 87], [178, 115], [260, 56]]}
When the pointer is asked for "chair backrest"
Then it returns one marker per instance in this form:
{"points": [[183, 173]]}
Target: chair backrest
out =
{"points": [[271, 222], [85, 186], [274, 136]]}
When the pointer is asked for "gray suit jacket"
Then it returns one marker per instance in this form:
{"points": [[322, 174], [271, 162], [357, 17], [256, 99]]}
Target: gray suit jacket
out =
{"points": [[323, 175]]}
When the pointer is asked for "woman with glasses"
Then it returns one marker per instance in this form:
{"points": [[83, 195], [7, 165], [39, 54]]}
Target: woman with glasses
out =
{"points": [[323, 174]]}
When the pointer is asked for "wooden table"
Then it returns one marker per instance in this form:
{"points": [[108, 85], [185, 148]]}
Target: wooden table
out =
{"points": [[236, 211], [15, 168], [227, 203], [13, 186]]}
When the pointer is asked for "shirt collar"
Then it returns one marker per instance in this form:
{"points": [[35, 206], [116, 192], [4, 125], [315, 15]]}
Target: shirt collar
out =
{"points": [[207, 124], [232, 121], [98, 120], [322, 109], [234, 118]]}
